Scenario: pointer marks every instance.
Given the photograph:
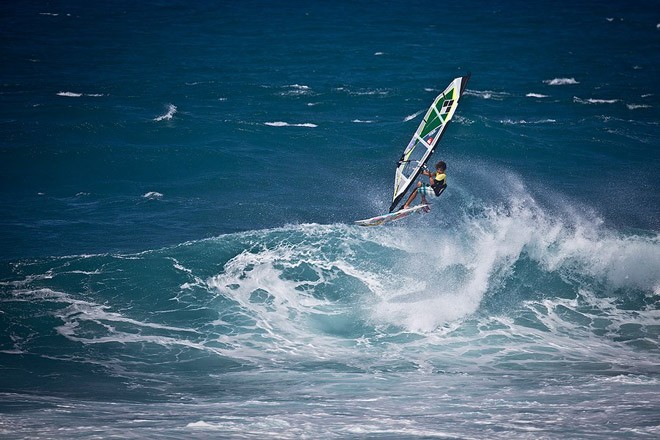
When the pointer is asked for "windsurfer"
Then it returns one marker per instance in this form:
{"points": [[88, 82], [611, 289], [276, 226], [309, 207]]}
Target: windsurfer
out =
{"points": [[437, 184]]}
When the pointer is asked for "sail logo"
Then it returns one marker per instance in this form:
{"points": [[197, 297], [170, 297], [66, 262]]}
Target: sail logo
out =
{"points": [[446, 106]]}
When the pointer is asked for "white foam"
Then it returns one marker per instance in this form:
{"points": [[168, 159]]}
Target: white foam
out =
{"points": [[204, 425], [77, 312], [536, 95], [359, 121], [561, 81], [171, 111], [486, 251], [463, 120], [523, 121], [78, 95], [299, 87], [363, 92], [279, 307], [488, 246], [636, 106], [15, 351], [487, 94], [413, 116], [70, 94], [623, 262], [287, 124], [296, 89], [152, 195], [594, 101], [630, 379]]}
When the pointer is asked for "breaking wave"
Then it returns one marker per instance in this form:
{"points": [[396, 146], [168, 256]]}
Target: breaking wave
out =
{"points": [[171, 111], [561, 81], [287, 124]]}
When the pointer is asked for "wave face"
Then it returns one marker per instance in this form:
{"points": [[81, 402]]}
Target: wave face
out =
{"points": [[505, 293]]}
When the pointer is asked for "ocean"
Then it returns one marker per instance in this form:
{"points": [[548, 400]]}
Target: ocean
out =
{"points": [[179, 185]]}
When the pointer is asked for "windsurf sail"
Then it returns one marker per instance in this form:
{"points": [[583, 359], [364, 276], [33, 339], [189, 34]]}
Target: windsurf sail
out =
{"points": [[423, 143]]}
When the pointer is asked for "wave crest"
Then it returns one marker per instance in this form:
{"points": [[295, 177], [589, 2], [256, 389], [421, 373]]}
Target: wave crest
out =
{"points": [[594, 101], [287, 124], [171, 111], [561, 81]]}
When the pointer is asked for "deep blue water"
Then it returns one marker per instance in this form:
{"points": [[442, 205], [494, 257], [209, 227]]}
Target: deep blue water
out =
{"points": [[178, 188]]}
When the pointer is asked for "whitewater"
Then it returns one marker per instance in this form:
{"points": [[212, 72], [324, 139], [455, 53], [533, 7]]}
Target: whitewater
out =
{"points": [[305, 330]]}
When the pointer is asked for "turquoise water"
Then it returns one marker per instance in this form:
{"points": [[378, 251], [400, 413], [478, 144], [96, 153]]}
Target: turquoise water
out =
{"points": [[179, 184]]}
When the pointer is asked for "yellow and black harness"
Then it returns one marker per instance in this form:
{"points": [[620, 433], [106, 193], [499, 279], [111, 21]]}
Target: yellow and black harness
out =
{"points": [[439, 183]]}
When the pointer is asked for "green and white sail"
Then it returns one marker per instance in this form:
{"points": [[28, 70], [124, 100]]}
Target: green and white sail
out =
{"points": [[423, 143]]}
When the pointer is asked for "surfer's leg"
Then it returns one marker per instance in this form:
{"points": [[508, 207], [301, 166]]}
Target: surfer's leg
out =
{"points": [[424, 201], [412, 197]]}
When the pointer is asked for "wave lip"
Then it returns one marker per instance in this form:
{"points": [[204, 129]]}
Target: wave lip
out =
{"points": [[561, 81], [413, 116], [171, 111], [287, 124], [362, 91], [297, 89], [70, 94], [487, 94], [78, 95], [594, 101], [152, 195], [523, 121]]}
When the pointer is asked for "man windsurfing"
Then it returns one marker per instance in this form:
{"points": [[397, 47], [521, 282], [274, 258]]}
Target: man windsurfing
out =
{"points": [[435, 187]]}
